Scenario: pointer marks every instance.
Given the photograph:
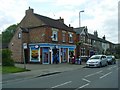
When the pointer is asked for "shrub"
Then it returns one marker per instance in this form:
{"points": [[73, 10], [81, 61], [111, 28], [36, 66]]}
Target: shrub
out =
{"points": [[6, 58]]}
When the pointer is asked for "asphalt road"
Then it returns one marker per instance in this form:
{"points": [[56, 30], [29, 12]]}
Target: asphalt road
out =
{"points": [[105, 77]]}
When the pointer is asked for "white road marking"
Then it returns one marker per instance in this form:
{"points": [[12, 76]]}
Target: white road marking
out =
{"points": [[112, 67], [84, 85], [61, 84], [93, 74], [86, 80], [105, 75]]}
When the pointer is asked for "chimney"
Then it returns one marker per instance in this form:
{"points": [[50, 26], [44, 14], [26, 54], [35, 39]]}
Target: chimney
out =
{"points": [[69, 25], [86, 29], [95, 33], [104, 37], [29, 11], [61, 20]]}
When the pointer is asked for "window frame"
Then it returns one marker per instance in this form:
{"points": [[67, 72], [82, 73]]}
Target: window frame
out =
{"points": [[54, 32], [70, 37], [63, 36]]}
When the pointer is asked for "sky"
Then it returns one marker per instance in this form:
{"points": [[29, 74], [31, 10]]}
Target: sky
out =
{"points": [[100, 15]]}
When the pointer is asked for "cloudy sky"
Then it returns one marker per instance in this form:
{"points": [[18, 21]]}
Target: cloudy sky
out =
{"points": [[100, 15]]}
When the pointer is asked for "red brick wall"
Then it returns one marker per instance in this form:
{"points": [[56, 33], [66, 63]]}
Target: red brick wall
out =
{"points": [[37, 35]]}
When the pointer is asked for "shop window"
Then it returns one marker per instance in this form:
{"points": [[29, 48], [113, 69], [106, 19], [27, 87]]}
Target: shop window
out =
{"points": [[35, 55]]}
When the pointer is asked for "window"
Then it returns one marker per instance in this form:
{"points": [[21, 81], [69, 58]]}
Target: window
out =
{"points": [[54, 34], [19, 35], [63, 36], [82, 38], [70, 38], [82, 51]]}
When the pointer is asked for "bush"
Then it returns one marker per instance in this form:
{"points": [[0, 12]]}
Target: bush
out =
{"points": [[6, 58]]}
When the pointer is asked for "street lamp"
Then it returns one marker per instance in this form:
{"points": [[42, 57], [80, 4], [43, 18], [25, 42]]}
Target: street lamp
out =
{"points": [[79, 17]]}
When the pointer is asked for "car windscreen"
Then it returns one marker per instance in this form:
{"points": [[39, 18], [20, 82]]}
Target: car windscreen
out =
{"points": [[95, 57], [109, 56]]}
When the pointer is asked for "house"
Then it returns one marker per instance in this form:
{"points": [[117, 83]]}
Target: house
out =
{"points": [[82, 41], [40, 39], [90, 44]]}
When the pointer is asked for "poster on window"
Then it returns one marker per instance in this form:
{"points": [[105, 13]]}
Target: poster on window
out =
{"points": [[34, 54]]}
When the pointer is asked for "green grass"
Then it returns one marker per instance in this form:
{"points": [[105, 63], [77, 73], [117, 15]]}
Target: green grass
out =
{"points": [[12, 69]]}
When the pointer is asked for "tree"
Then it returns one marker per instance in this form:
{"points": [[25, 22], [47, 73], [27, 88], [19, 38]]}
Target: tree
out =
{"points": [[8, 33]]}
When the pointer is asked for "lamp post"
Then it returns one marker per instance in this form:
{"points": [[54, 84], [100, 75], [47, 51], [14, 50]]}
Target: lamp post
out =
{"points": [[79, 17]]}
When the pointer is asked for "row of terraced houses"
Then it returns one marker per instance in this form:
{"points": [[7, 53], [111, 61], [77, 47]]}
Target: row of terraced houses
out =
{"points": [[40, 39]]}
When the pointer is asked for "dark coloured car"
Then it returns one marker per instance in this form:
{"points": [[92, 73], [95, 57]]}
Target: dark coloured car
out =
{"points": [[111, 59]]}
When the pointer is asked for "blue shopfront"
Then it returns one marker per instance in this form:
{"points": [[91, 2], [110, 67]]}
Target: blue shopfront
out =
{"points": [[47, 53]]}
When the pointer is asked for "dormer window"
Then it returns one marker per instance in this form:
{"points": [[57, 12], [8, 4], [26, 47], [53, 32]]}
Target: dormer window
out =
{"points": [[54, 34]]}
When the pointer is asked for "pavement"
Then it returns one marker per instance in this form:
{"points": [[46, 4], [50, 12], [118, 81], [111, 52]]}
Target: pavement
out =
{"points": [[38, 70]]}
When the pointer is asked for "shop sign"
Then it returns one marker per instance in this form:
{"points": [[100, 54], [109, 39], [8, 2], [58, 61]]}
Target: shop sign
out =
{"points": [[25, 45], [36, 46]]}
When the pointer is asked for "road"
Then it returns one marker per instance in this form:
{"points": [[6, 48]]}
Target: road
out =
{"points": [[105, 77]]}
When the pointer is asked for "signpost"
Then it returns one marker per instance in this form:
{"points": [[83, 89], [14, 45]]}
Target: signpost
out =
{"points": [[24, 47]]}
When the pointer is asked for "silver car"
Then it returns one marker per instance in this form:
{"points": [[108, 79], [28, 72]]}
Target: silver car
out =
{"points": [[111, 59], [97, 61]]}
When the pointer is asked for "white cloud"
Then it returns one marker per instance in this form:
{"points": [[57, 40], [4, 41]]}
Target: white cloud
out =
{"points": [[12, 12], [69, 2], [101, 15]]}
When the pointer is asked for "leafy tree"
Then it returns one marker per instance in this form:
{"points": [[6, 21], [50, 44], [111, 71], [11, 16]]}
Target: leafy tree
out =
{"points": [[8, 33]]}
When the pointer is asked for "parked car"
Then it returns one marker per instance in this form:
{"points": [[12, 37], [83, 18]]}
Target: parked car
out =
{"points": [[111, 59], [97, 61]]}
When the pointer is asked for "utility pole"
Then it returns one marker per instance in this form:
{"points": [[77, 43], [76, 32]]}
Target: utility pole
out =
{"points": [[80, 17]]}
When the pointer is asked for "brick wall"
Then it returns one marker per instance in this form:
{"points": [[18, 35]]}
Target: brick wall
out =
{"points": [[37, 35], [16, 47]]}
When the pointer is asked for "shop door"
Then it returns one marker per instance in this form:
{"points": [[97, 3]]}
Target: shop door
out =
{"points": [[26, 55], [45, 55], [55, 55]]}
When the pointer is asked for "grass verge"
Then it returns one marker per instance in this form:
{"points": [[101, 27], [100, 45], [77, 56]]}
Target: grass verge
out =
{"points": [[12, 69]]}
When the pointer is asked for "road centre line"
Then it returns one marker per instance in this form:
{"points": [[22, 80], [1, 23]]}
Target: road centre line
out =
{"points": [[86, 80], [61, 84], [105, 75], [93, 74]]}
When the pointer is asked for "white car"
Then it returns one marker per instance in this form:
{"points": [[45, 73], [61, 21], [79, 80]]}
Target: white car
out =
{"points": [[97, 61]]}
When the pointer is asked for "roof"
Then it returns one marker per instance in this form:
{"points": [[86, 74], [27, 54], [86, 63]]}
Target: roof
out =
{"points": [[91, 36], [24, 30], [53, 23], [79, 30]]}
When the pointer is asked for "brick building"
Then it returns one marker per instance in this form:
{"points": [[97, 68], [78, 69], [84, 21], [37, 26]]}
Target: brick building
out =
{"points": [[40, 39]]}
